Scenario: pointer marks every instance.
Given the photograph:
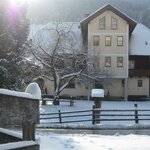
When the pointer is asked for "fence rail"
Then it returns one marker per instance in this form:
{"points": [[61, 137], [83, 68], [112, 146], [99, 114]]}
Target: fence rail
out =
{"points": [[97, 115]]}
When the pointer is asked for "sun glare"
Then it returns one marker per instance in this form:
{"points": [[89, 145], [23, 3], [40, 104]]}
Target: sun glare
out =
{"points": [[22, 1]]}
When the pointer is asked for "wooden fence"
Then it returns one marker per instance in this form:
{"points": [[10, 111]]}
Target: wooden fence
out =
{"points": [[62, 99], [97, 115]]}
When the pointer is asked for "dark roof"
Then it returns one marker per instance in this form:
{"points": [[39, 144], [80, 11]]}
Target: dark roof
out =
{"points": [[84, 22]]}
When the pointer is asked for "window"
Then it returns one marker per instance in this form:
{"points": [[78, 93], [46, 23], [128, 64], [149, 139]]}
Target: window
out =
{"points": [[95, 40], [119, 61], [108, 41], [120, 40], [140, 83], [113, 23], [131, 64], [102, 23], [107, 61]]}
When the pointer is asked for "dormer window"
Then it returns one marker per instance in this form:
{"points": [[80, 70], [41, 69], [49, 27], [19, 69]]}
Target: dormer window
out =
{"points": [[113, 23], [102, 23]]}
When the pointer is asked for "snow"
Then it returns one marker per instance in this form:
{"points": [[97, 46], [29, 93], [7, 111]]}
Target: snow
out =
{"points": [[97, 93], [34, 89], [87, 105], [45, 34], [69, 141], [11, 133], [140, 41], [85, 141], [17, 94], [16, 145], [32, 92]]}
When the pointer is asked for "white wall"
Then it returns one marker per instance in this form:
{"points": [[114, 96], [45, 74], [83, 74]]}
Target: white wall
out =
{"points": [[133, 88]]}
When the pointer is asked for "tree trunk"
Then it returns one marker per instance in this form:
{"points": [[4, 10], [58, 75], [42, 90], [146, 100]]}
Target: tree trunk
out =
{"points": [[56, 100], [56, 90]]}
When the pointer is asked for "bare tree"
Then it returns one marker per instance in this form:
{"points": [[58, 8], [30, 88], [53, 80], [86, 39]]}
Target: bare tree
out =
{"points": [[58, 47], [60, 54]]}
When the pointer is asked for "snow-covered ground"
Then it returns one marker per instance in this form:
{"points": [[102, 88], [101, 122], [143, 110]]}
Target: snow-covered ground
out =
{"points": [[53, 140], [93, 142], [86, 141], [87, 105]]}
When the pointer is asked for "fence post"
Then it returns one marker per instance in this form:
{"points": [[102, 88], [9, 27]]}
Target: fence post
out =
{"points": [[28, 130], [43, 101], [93, 115], [59, 113], [97, 96], [136, 114], [71, 101]]}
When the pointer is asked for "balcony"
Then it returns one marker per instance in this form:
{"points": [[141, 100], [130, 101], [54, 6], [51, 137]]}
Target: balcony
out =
{"points": [[139, 72]]}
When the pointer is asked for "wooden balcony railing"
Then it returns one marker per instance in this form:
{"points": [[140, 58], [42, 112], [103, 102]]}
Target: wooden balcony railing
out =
{"points": [[139, 72]]}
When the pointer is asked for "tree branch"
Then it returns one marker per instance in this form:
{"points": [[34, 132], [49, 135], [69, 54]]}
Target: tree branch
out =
{"points": [[64, 86], [46, 77], [71, 75], [39, 59], [45, 51]]}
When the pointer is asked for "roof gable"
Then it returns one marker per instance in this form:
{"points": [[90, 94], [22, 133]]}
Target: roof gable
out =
{"points": [[131, 22]]}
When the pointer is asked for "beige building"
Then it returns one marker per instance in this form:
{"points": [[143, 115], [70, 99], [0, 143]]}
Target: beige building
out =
{"points": [[115, 43]]}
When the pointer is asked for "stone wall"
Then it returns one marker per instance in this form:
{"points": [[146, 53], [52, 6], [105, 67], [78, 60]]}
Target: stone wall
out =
{"points": [[15, 110], [10, 139], [5, 138]]}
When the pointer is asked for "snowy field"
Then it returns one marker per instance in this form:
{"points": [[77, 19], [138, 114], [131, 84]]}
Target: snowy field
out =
{"points": [[84, 141], [87, 105], [52, 141]]}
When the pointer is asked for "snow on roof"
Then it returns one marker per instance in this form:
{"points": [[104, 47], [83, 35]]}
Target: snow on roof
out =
{"points": [[32, 92], [45, 34], [140, 41]]}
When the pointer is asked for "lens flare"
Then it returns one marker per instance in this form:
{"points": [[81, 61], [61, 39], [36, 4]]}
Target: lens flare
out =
{"points": [[22, 1]]}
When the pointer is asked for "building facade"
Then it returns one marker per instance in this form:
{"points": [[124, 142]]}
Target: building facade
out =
{"points": [[115, 42]]}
